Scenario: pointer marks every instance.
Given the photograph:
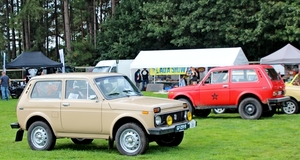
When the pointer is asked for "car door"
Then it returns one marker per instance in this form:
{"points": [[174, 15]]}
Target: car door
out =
{"points": [[80, 108], [214, 90]]}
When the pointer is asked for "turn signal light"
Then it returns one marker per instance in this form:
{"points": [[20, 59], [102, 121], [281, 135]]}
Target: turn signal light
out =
{"points": [[156, 110], [185, 105]]}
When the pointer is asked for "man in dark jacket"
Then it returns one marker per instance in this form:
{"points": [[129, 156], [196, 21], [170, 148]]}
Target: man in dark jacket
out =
{"points": [[138, 78], [145, 75]]}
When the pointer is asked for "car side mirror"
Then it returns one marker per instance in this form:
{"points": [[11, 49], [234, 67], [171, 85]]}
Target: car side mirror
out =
{"points": [[93, 97]]}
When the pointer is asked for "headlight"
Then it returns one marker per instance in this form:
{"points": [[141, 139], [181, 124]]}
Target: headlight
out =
{"points": [[185, 115], [169, 120], [189, 116], [158, 120]]}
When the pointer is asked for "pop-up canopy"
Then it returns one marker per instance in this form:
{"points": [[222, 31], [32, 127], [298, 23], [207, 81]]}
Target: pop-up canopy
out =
{"points": [[190, 57], [286, 55], [32, 59]]}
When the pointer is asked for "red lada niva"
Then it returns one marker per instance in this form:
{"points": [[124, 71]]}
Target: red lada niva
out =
{"points": [[255, 90]]}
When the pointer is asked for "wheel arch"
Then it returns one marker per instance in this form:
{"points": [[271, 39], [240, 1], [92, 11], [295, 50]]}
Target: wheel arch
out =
{"points": [[37, 118], [248, 95], [185, 97], [125, 120]]}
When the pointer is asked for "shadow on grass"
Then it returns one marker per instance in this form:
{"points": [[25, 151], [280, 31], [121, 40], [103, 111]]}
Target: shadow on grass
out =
{"points": [[103, 147]]}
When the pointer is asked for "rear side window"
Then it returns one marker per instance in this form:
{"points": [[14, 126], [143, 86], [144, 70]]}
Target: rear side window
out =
{"points": [[243, 75], [47, 89], [273, 75]]}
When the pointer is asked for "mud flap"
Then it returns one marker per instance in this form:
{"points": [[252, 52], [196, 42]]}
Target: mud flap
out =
{"points": [[19, 135]]}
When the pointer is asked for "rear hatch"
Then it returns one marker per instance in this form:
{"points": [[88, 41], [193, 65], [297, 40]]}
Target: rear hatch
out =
{"points": [[276, 81]]}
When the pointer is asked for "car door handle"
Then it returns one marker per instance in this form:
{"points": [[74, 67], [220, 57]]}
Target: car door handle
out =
{"points": [[65, 104], [225, 86]]}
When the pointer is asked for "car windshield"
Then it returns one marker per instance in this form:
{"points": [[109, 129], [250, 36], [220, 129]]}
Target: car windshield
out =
{"points": [[117, 87], [101, 69]]}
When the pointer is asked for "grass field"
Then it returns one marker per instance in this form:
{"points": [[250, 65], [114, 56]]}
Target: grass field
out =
{"points": [[223, 136]]}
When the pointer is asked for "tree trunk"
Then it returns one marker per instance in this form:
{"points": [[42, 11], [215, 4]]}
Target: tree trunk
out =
{"points": [[113, 4], [7, 45], [14, 47], [67, 27], [56, 31]]}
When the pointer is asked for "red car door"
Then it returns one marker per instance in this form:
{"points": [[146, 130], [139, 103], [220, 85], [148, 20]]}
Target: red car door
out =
{"points": [[214, 91]]}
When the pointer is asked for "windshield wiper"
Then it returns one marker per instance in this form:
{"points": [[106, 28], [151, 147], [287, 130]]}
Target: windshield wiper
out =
{"points": [[113, 94], [127, 90]]}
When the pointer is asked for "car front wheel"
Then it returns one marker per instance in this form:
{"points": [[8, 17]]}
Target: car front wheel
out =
{"points": [[250, 108], [291, 107], [40, 136], [170, 140], [82, 140], [131, 140]]}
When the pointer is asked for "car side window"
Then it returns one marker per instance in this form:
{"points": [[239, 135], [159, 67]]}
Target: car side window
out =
{"points": [[47, 89], [79, 89], [244, 75]]}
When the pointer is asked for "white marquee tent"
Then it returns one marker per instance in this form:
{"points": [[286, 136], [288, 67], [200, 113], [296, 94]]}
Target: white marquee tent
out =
{"points": [[211, 57]]}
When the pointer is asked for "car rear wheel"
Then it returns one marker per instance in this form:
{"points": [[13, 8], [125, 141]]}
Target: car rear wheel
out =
{"points": [[291, 107], [170, 140], [40, 136], [202, 112], [250, 108], [82, 140], [190, 106], [131, 139], [219, 110]]}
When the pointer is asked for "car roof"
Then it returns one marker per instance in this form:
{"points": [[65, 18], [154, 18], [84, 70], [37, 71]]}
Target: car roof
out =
{"points": [[243, 67], [76, 75]]}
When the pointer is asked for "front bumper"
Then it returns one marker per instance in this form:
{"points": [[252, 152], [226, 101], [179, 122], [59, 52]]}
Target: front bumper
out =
{"points": [[275, 101], [20, 132], [178, 127]]}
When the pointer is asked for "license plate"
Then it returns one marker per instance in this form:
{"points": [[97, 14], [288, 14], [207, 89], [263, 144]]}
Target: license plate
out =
{"points": [[279, 92], [180, 128], [192, 124]]}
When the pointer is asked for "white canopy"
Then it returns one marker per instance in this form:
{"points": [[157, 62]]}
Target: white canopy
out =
{"points": [[190, 57]]}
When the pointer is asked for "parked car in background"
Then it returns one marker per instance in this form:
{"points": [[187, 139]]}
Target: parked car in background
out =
{"points": [[87, 106], [254, 90]]}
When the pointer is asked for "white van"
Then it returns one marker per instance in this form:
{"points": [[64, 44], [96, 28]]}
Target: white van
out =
{"points": [[114, 66]]}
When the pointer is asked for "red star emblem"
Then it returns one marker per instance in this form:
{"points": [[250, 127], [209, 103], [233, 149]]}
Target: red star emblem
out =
{"points": [[214, 96]]}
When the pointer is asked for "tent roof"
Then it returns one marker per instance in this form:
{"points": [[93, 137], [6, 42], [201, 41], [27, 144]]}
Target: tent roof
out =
{"points": [[286, 55], [190, 57], [32, 59]]}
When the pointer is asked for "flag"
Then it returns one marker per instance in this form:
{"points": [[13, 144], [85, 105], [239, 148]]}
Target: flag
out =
{"points": [[62, 59]]}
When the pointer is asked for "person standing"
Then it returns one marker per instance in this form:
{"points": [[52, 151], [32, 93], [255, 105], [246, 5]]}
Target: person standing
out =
{"points": [[145, 76], [138, 78], [4, 81], [182, 81]]}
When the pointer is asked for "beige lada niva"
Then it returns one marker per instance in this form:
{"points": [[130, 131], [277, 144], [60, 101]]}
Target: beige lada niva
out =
{"points": [[87, 106]]}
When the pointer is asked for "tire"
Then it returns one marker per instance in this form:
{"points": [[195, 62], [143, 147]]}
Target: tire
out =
{"points": [[291, 107], [250, 108], [190, 106], [219, 110], [202, 112], [170, 140], [82, 141], [40, 136], [131, 140]]}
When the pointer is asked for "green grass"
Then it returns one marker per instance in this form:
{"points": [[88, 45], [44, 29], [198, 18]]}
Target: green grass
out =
{"points": [[224, 136]]}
